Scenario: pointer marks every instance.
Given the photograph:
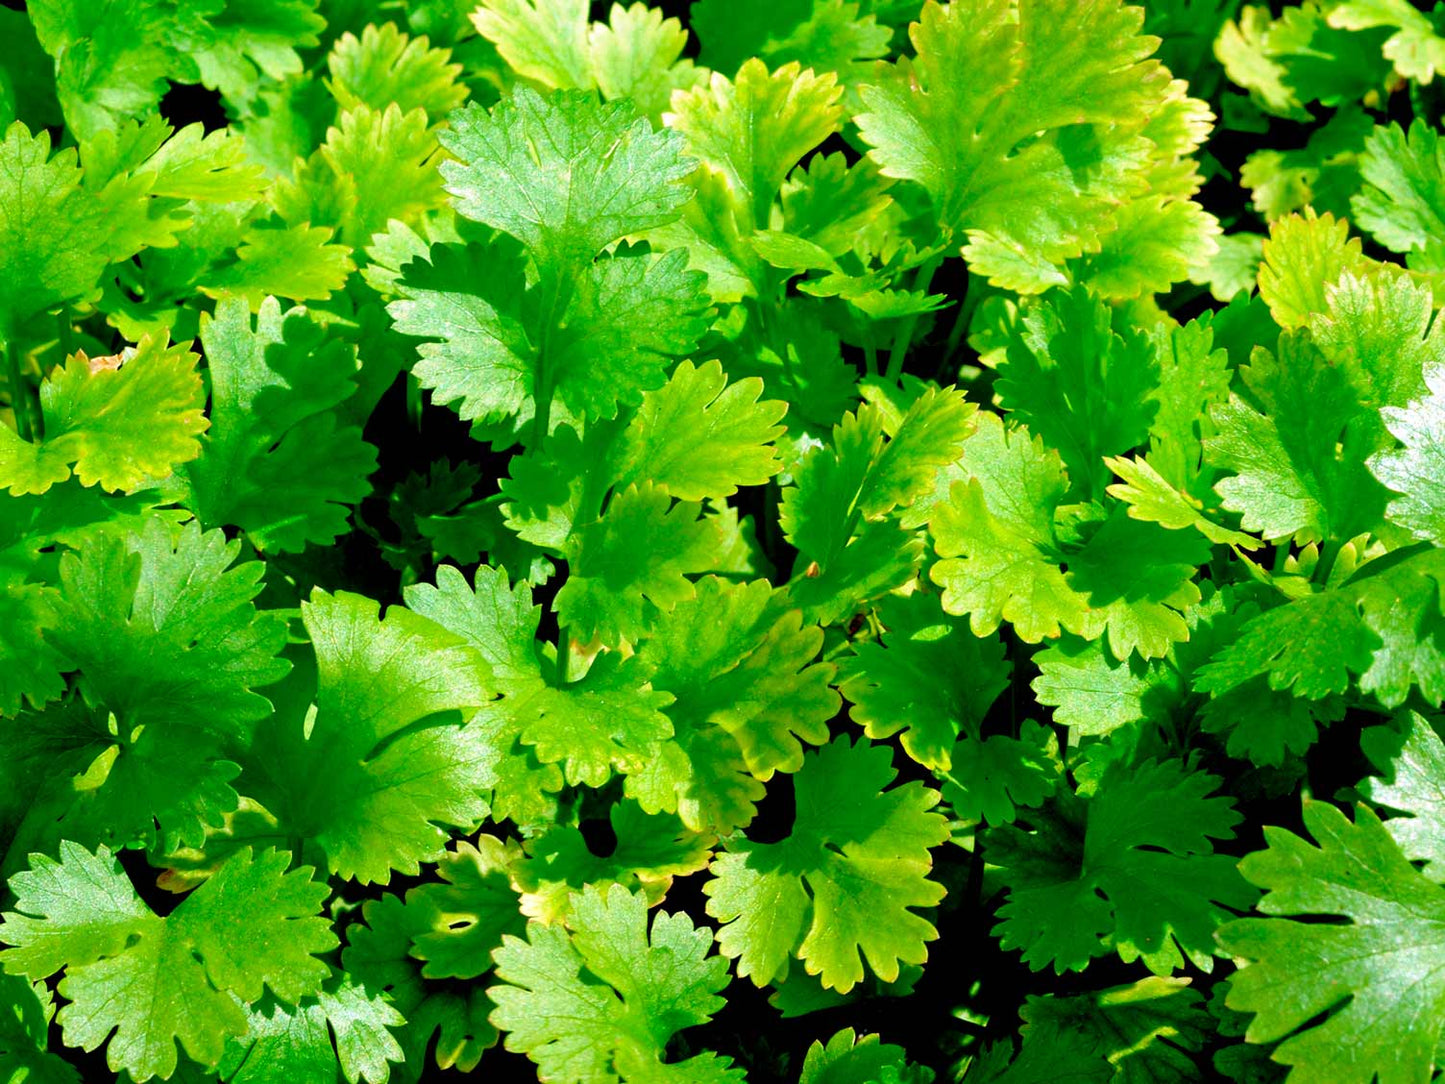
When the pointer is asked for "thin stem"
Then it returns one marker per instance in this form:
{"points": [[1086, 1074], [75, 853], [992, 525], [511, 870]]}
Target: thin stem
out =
{"points": [[1281, 555], [901, 342], [564, 650], [558, 292], [413, 401], [67, 331], [962, 319], [1329, 553], [870, 352], [19, 391]]}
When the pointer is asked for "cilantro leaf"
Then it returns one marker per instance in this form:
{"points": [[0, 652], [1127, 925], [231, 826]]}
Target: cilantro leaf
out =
{"points": [[1079, 385], [1377, 975], [118, 422], [651, 849], [1023, 140], [342, 1030], [1298, 458], [1003, 555], [851, 1059], [1150, 1030], [163, 630], [841, 887], [391, 751], [697, 436], [1304, 254], [741, 664], [1416, 472], [1410, 759], [279, 460], [25, 1013], [1130, 868], [600, 173], [635, 54], [1381, 626], [385, 67], [377, 954], [470, 911], [991, 778], [894, 684], [1402, 201], [756, 126], [839, 515], [53, 240], [608, 593], [653, 984], [504, 352], [156, 980]]}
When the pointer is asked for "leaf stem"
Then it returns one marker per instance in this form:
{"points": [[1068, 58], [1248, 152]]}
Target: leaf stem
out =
{"points": [[1329, 554], [20, 401], [962, 319], [66, 328], [903, 339], [564, 650]]}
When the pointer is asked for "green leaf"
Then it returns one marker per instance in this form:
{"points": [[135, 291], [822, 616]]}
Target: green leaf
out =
{"points": [[163, 630], [1078, 385], [118, 422], [754, 128], [849, 1059], [698, 436], [652, 985], [992, 777], [1402, 201], [52, 238], [470, 911], [385, 67], [600, 173], [651, 849], [610, 594], [279, 460], [391, 752], [1416, 47], [928, 676], [504, 348], [839, 515], [377, 955], [1378, 975], [1382, 626], [1298, 451], [1416, 472], [1152, 1030], [635, 54], [996, 537], [842, 886], [1410, 759], [1302, 256], [1023, 139], [341, 1031], [109, 65], [295, 262], [154, 980], [741, 665], [25, 1013], [1130, 869]]}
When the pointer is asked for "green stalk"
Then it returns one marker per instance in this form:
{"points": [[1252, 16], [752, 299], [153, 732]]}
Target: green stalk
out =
{"points": [[1329, 553], [961, 320], [564, 649], [20, 401], [904, 337], [66, 328]]}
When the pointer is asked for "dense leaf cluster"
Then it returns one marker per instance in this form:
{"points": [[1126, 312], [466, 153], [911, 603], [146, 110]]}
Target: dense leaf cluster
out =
{"points": [[829, 541]]}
